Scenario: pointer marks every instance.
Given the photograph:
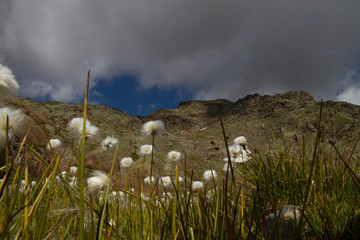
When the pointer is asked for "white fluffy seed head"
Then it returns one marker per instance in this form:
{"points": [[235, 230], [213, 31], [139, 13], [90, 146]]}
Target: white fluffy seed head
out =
{"points": [[234, 150], [91, 131], [73, 182], [109, 142], [64, 174], [243, 156], [209, 175], [147, 180], [241, 140], [180, 179], [146, 149], [97, 182], [153, 128], [54, 144], [15, 120], [126, 162], [8, 84], [77, 123], [73, 170], [197, 186], [76, 126], [174, 156], [165, 181]]}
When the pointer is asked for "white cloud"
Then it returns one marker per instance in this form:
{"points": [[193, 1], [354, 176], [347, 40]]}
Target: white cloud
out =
{"points": [[37, 88], [351, 93], [215, 49]]}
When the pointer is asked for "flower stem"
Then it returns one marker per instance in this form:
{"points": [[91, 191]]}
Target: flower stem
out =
{"points": [[151, 163]]}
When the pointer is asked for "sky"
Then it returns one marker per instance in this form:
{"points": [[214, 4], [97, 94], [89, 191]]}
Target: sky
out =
{"points": [[152, 54]]}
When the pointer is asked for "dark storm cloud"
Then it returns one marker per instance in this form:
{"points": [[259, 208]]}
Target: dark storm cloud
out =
{"points": [[215, 49]]}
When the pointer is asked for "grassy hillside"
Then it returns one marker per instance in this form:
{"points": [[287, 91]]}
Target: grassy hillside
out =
{"points": [[300, 177]]}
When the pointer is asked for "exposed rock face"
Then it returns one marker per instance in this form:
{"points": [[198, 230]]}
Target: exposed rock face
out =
{"points": [[193, 127]]}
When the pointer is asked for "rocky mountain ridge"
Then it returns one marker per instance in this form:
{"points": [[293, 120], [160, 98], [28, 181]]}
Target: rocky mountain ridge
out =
{"points": [[193, 128]]}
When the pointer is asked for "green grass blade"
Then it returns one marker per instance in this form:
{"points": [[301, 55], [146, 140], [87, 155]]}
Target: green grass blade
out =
{"points": [[81, 166]]}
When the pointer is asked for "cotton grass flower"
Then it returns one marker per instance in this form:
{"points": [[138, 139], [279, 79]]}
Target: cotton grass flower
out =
{"points": [[153, 128], [126, 162], [243, 156], [147, 180], [76, 126], [109, 142], [8, 84], [174, 156], [167, 195], [209, 175], [73, 182], [58, 179], [77, 123], [15, 120], [144, 197], [64, 174], [146, 149], [97, 182], [241, 140], [112, 196], [53, 144], [73, 170], [165, 181], [197, 186], [91, 131], [234, 150], [180, 179]]}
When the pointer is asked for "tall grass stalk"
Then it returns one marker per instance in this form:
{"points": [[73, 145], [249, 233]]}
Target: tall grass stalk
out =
{"points": [[7, 146], [7, 173], [152, 163], [141, 204], [26, 210], [233, 183], [151, 187], [228, 154], [81, 166]]}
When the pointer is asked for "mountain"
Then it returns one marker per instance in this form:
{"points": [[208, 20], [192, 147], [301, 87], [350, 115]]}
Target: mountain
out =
{"points": [[193, 128]]}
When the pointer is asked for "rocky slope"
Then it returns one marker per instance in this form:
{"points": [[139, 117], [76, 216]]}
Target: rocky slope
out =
{"points": [[193, 128]]}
